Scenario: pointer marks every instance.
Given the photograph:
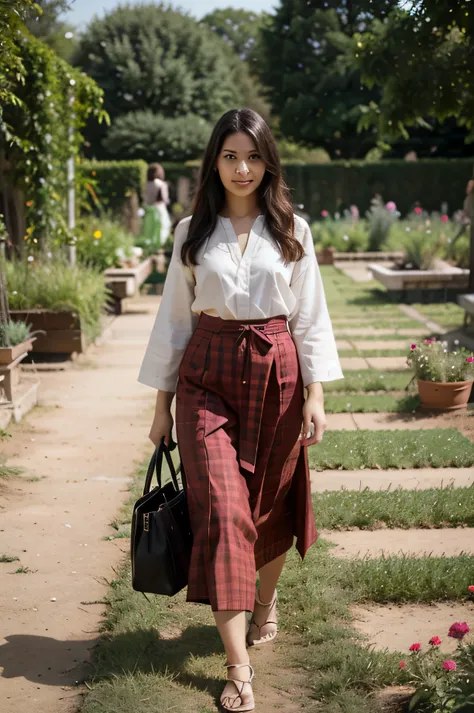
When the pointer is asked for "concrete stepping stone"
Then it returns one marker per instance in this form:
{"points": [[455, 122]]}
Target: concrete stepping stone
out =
{"points": [[353, 364], [369, 331], [396, 421], [388, 363], [340, 421], [374, 479], [367, 344], [343, 344], [397, 627], [448, 542]]}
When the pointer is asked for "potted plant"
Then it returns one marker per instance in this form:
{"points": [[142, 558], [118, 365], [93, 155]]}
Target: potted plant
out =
{"points": [[16, 338], [444, 377]]}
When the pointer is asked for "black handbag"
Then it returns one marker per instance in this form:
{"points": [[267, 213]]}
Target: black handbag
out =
{"points": [[161, 537]]}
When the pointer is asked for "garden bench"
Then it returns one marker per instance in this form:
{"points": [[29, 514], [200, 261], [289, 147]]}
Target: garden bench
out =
{"points": [[467, 303], [125, 282]]}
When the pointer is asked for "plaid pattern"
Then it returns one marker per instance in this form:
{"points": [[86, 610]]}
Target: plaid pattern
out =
{"points": [[239, 407]]}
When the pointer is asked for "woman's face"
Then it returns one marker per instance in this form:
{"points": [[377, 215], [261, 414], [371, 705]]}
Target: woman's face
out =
{"points": [[239, 164]]}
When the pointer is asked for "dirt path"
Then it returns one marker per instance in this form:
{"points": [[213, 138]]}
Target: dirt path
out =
{"points": [[78, 451]]}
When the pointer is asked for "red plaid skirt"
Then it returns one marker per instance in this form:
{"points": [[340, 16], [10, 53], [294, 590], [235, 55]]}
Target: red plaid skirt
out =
{"points": [[239, 404]]}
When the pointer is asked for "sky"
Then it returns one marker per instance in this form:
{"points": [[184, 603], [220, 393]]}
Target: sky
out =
{"points": [[84, 10]]}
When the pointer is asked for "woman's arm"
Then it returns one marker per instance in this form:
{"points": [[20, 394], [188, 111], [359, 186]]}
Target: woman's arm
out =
{"points": [[174, 323], [309, 322]]}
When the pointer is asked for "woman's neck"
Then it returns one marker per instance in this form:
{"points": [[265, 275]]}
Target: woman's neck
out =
{"points": [[237, 207]]}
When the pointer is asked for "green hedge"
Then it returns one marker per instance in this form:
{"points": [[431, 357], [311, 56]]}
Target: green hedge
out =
{"points": [[111, 181], [337, 185], [333, 186]]}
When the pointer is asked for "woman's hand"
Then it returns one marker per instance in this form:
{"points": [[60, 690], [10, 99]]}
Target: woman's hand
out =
{"points": [[163, 421], [313, 413]]}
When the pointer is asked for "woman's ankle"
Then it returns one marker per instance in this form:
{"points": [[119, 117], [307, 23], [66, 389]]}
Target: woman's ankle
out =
{"points": [[263, 601]]}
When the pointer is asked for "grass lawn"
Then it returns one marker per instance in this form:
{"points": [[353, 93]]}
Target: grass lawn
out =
{"points": [[369, 510], [370, 403], [368, 380], [352, 450], [379, 324], [447, 314], [386, 338]]}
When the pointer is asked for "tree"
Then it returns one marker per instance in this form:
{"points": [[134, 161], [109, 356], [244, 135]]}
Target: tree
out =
{"points": [[12, 71], [316, 99], [422, 59], [50, 29], [239, 28], [155, 59]]}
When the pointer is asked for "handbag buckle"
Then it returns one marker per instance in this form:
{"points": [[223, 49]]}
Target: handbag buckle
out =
{"points": [[146, 522]]}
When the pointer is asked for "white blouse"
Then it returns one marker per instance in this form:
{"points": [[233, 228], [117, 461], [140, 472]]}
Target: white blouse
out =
{"points": [[255, 285]]}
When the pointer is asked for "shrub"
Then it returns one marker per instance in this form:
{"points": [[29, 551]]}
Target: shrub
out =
{"points": [[344, 235], [102, 242], [431, 361], [422, 238], [380, 219], [108, 184], [13, 333], [50, 283], [151, 136], [291, 152]]}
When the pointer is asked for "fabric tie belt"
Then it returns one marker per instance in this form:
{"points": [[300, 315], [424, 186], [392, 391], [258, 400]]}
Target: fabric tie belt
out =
{"points": [[258, 357]]}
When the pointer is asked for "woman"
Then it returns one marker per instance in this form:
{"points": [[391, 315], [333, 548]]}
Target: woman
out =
{"points": [[156, 223], [242, 328]]}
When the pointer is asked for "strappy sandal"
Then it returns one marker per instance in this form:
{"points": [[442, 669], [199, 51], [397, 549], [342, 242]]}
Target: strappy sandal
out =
{"points": [[242, 701], [268, 630]]}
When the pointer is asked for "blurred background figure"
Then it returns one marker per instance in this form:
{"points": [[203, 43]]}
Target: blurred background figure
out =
{"points": [[156, 222]]}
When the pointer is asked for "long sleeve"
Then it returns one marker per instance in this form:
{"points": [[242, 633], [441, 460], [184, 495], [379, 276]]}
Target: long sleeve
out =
{"points": [[174, 323], [309, 321]]}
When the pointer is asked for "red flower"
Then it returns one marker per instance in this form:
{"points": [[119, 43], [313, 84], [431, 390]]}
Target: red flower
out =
{"points": [[403, 664], [413, 346], [471, 588], [435, 641], [449, 665], [444, 218], [458, 630], [415, 647], [470, 359], [418, 210]]}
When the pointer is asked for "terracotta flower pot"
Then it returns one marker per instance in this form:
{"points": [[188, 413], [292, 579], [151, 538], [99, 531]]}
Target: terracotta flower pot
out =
{"points": [[444, 396]]}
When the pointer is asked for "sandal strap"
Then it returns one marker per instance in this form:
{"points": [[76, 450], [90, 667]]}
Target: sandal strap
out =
{"points": [[265, 604], [240, 665]]}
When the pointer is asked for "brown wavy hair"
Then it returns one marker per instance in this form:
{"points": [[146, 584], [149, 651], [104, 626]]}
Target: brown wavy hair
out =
{"points": [[273, 194]]}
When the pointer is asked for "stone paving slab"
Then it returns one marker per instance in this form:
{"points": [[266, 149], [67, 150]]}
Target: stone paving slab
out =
{"points": [[368, 344], [340, 421], [353, 363], [343, 344], [374, 479], [388, 363], [448, 542], [397, 627], [369, 331], [396, 421]]}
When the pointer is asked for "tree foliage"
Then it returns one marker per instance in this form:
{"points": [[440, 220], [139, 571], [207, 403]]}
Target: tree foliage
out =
{"points": [[239, 28], [150, 136], [12, 71], [315, 97], [422, 58], [151, 58], [48, 27]]}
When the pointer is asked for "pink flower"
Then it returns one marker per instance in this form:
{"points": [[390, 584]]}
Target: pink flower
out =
{"points": [[458, 630], [418, 210], [413, 346], [402, 664], [471, 588], [354, 211], [470, 359], [435, 641], [429, 341], [449, 665], [324, 213], [415, 647], [391, 206], [444, 218]]}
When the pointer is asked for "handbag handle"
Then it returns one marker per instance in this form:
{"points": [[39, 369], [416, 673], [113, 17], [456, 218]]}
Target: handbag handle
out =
{"points": [[156, 464]]}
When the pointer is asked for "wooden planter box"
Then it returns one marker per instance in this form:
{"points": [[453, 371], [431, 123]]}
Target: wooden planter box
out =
{"points": [[9, 354], [63, 330]]}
